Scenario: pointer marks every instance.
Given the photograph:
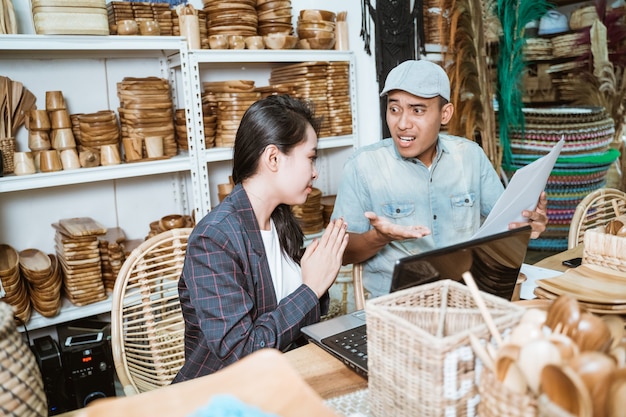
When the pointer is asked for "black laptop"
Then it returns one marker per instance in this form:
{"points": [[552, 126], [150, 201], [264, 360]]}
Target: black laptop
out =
{"points": [[494, 262]]}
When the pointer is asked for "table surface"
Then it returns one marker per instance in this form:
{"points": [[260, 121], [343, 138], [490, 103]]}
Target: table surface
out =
{"points": [[330, 378]]}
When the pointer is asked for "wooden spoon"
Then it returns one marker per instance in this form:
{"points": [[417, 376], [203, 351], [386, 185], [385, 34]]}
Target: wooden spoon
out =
{"points": [[592, 333], [484, 311], [616, 397], [566, 389], [563, 315]]}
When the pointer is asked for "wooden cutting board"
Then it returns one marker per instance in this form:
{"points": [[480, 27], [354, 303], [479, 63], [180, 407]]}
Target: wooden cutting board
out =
{"points": [[82, 226]]}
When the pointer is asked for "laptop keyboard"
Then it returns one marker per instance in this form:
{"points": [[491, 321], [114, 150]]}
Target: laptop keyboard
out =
{"points": [[351, 343]]}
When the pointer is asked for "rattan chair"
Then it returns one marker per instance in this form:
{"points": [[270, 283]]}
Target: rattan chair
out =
{"points": [[147, 326], [359, 290], [596, 209]]}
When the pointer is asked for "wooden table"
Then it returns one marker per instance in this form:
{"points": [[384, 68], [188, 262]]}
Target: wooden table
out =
{"points": [[555, 261], [329, 377]]}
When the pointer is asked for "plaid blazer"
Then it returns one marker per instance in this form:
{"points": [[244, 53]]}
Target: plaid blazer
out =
{"points": [[227, 294]]}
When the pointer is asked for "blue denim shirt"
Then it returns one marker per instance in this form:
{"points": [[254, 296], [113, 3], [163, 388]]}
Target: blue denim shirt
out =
{"points": [[451, 198]]}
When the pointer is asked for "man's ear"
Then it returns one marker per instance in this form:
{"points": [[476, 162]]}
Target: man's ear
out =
{"points": [[269, 158], [446, 113]]}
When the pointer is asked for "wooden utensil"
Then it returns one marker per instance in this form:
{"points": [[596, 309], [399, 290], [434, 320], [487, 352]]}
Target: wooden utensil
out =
{"points": [[566, 389], [478, 299]]}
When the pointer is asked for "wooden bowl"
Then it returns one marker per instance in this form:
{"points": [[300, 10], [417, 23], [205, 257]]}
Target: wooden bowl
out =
{"points": [[280, 41], [318, 15]]}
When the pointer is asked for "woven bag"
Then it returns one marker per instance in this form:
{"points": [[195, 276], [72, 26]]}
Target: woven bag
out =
{"points": [[21, 386], [604, 249], [420, 362]]}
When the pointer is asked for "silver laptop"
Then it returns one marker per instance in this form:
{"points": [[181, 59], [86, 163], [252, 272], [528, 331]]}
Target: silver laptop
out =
{"points": [[494, 262]]}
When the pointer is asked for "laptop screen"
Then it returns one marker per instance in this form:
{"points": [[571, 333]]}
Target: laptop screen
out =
{"points": [[494, 262]]}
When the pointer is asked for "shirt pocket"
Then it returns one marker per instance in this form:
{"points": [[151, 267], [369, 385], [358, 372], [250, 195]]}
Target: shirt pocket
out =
{"points": [[463, 210], [398, 210]]}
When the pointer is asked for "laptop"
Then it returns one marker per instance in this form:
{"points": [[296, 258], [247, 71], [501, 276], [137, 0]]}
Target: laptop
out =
{"points": [[494, 262]]}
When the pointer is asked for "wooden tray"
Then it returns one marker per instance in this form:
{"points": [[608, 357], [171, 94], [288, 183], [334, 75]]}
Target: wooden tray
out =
{"points": [[82, 226]]}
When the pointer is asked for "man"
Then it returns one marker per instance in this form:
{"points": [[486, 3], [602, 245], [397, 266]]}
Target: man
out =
{"points": [[420, 189]]}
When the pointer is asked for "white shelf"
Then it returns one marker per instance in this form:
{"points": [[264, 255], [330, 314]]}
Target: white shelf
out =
{"points": [[69, 312], [226, 154], [267, 55], [101, 173], [38, 43]]}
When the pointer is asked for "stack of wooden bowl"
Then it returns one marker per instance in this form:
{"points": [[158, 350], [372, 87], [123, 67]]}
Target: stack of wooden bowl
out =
{"points": [[15, 288], [209, 115], [316, 29], [231, 17], [310, 214], [97, 129], [309, 79], [233, 99], [168, 222], [180, 128], [146, 109], [76, 245], [112, 255], [45, 280], [274, 16]]}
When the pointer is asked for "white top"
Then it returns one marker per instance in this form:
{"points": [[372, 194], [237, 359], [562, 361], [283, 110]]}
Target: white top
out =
{"points": [[286, 274]]}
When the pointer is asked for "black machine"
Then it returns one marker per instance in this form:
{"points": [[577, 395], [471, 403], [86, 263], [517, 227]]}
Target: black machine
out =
{"points": [[77, 370]]}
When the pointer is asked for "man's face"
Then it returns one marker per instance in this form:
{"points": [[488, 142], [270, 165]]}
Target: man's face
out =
{"points": [[414, 124]]}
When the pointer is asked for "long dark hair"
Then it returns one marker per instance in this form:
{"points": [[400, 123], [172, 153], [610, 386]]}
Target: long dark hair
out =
{"points": [[282, 121]]}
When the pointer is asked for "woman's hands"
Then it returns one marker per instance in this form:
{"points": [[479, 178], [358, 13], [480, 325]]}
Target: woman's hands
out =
{"points": [[322, 258]]}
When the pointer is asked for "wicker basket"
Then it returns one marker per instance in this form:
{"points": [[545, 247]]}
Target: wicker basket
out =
{"points": [[7, 146], [604, 249], [21, 386], [497, 400], [420, 362]]}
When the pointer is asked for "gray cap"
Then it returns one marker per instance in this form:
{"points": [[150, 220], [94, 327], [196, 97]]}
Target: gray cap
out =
{"points": [[421, 78]]}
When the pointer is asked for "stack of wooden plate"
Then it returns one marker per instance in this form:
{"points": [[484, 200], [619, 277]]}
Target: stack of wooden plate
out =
{"points": [[82, 17], [274, 17], [118, 11], [209, 117], [233, 99], [146, 109], [231, 17], [338, 93], [111, 255], [15, 288], [599, 289], [76, 245], [328, 205], [180, 127], [310, 215], [162, 13], [309, 79], [44, 277]]}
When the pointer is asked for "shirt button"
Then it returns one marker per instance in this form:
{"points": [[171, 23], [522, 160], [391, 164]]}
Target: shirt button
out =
{"points": [[435, 217], [467, 200], [397, 210], [262, 344]]}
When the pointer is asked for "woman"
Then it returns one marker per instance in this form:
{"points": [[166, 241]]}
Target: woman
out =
{"points": [[246, 285]]}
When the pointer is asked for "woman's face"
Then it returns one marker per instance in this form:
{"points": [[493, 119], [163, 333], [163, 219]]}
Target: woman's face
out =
{"points": [[298, 171]]}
